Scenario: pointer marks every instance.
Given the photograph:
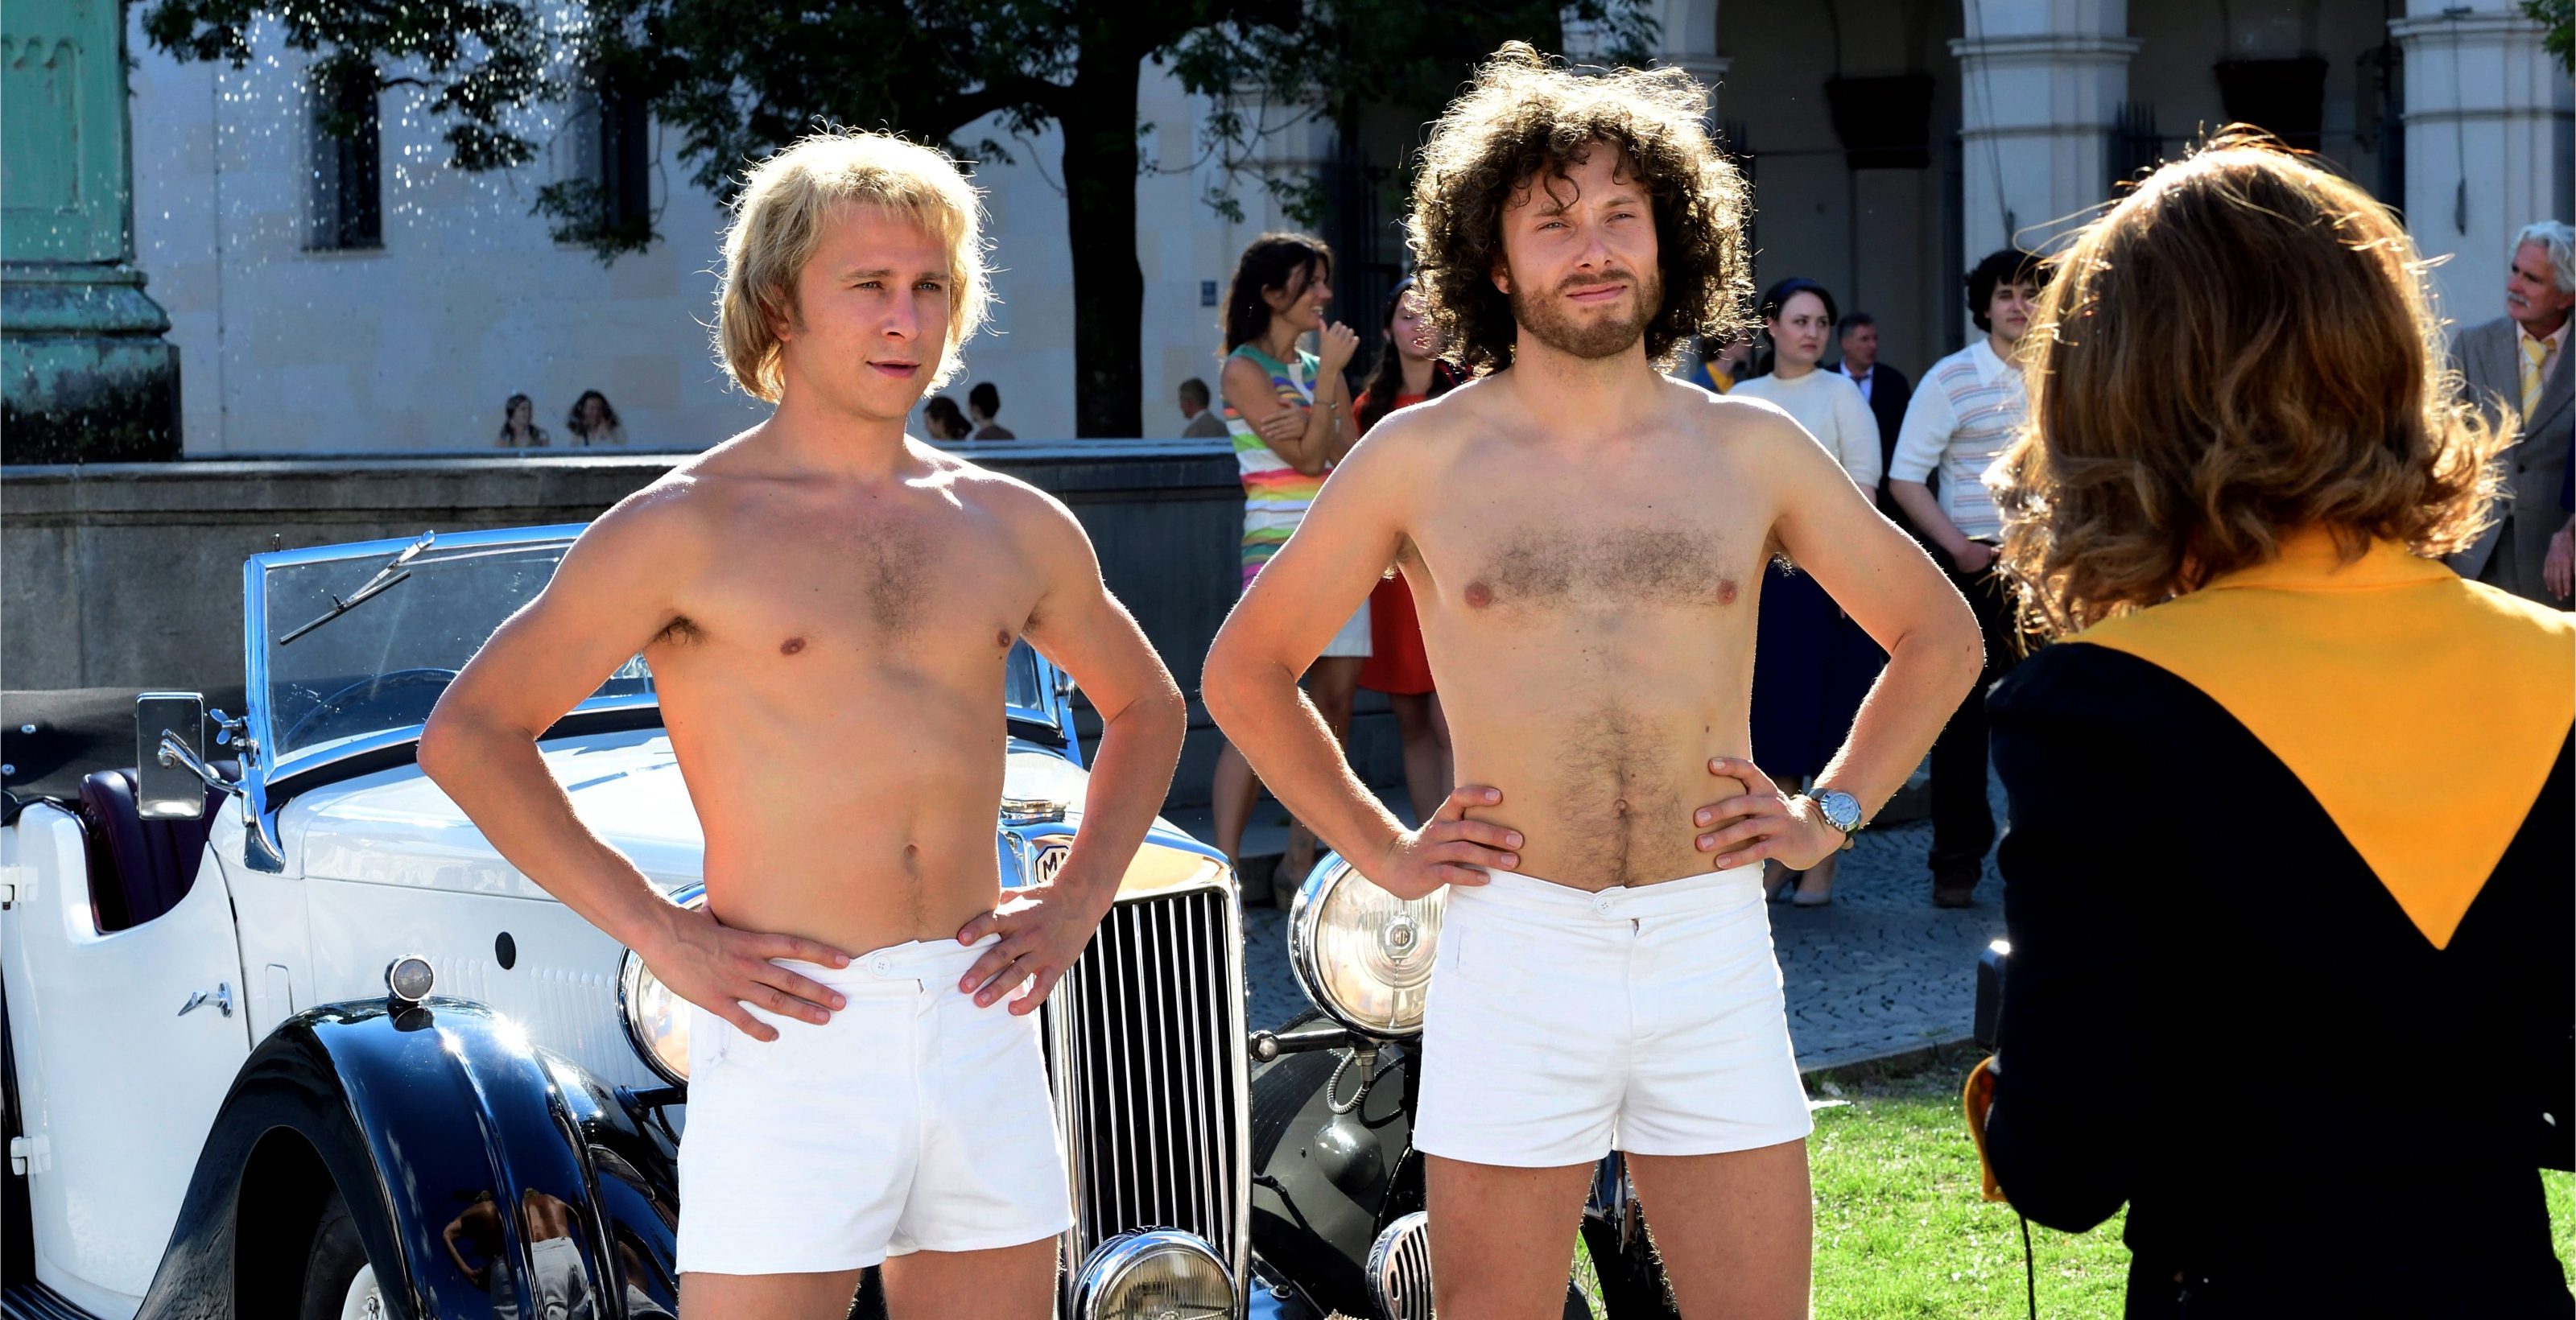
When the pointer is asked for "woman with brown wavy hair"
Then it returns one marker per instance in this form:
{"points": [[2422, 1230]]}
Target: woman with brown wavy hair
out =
{"points": [[2295, 798]]}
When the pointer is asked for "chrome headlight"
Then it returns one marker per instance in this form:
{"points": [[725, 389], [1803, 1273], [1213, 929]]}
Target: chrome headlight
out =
{"points": [[656, 1020], [1159, 1274], [1362, 954]]}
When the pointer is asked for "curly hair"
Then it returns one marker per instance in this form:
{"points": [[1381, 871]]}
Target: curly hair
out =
{"points": [[2240, 349], [2009, 266], [1525, 116]]}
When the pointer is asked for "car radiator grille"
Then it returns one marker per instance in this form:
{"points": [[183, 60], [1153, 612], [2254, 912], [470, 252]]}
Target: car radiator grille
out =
{"points": [[1144, 1051]]}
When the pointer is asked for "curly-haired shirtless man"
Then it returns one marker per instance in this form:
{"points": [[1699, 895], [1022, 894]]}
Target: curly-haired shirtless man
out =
{"points": [[828, 606], [1585, 539]]}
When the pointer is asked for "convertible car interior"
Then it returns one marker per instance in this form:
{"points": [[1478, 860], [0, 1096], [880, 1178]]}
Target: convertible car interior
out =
{"points": [[140, 868], [77, 748]]}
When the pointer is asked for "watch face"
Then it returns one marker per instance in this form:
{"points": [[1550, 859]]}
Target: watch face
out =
{"points": [[1841, 810]]}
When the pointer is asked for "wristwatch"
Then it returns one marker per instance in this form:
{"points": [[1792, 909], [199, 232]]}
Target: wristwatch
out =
{"points": [[1839, 809]]}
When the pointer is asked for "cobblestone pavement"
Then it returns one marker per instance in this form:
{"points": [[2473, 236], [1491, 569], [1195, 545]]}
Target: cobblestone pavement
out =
{"points": [[1878, 972], [1881, 971]]}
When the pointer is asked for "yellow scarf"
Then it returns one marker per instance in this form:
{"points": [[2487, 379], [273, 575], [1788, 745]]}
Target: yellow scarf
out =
{"points": [[2423, 712]]}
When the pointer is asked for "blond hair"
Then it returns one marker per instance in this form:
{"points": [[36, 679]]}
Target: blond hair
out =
{"points": [[778, 222], [2243, 347]]}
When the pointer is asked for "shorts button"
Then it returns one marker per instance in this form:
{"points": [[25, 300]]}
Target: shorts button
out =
{"points": [[881, 966], [1601, 905]]}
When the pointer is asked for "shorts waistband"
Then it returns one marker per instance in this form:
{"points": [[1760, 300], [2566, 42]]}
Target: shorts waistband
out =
{"points": [[1698, 892], [913, 960]]}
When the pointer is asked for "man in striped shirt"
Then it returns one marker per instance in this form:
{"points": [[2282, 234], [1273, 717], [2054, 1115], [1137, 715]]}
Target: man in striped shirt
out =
{"points": [[1968, 408]]}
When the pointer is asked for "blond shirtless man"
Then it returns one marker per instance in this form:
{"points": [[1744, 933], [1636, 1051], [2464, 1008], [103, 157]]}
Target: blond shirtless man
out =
{"points": [[826, 604], [1584, 539]]}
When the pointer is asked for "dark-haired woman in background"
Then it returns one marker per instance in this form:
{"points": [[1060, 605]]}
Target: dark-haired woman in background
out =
{"points": [[2288, 880], [1811, 663], [519, 429], [593, 422], [945, 421], [1409, 370], [1287, 411]]}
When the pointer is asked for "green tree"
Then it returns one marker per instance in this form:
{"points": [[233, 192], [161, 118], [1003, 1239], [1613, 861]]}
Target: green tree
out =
{"points": [[739, 78], [2560, 15]]}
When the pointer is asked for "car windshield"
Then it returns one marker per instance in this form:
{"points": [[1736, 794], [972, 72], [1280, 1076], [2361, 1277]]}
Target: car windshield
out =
{"points": [[374, 671]]}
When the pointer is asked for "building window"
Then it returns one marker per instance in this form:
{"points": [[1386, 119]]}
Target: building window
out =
{"points": [[626, 163], [2136, 147], [1353, 193], [604, 193], [348, 155]]}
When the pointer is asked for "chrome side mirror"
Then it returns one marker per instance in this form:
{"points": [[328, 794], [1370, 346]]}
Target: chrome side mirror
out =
{"points": [[170, 771]]}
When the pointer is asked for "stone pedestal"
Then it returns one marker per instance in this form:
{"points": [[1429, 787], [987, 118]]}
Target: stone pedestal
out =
{"points": [[2488, 117], [2040, 86], [85, 375]]}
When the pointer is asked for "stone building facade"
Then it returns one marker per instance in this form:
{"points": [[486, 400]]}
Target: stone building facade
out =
{"points": [[1890, 142]]}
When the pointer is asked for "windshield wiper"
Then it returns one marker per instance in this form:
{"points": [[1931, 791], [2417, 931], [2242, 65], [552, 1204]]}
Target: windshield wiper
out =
{"points": [[393, 574]]}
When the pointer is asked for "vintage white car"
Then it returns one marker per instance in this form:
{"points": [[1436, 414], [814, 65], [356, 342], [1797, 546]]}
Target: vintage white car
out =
{"points": [[286, 1038]]}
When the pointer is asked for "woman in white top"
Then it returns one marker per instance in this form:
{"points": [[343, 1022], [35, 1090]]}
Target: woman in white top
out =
{"points": [[1798, 316], [1811, 663]]}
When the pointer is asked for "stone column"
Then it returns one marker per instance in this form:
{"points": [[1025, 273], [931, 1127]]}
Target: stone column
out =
{"points": [[1686, 38], [2040, 85], [2488, 140], [84, 372]]}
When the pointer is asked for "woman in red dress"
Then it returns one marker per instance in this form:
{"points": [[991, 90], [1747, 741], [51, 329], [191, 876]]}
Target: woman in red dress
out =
{"points": [[1409, 370]]}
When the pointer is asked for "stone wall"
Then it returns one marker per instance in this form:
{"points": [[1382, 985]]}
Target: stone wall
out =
{"points": [[129, 575]]}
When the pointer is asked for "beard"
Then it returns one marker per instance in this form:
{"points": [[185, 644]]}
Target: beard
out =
{"points": [[1549, 321]]}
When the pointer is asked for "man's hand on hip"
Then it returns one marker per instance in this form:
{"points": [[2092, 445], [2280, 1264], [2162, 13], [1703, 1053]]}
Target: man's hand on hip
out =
{"points": [[1043, 929], [1449, 849], [720, 969], [1764, 823]]}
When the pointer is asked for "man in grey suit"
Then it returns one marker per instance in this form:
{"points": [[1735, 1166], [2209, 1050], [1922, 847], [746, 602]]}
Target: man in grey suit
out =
{"points": [[2520, 362]]}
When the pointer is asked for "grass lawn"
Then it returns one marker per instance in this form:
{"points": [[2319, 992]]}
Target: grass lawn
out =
{"points": [[1902, 1233]]}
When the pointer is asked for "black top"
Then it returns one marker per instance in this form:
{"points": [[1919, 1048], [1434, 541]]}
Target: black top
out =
{"points": [[1889, 392], [2217, 1014]]}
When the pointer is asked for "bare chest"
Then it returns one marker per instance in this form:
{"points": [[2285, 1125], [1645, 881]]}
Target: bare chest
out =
{"points": [[1527, 561], [1671, 522], [911, 592]]}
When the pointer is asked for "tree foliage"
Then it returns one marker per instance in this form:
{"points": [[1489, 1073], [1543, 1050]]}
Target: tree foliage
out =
{"points": [[479, 60], [740, 78], [2560, 16]]}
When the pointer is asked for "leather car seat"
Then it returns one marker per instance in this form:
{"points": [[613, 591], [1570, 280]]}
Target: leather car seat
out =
{"points": [[139, 869]]}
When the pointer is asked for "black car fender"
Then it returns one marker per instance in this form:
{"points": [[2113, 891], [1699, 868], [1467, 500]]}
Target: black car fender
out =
{"points": [[457, 1147], [1330, 1173], [1326, 1183]]}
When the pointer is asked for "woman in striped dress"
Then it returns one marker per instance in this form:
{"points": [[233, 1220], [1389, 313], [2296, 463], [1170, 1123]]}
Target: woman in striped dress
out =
{"points": [[1289, 413]]}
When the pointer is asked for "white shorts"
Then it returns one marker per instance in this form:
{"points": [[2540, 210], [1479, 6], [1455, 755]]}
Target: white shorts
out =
{"points": [[912, 1121], [1354, 640], [1563, 1023]]}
